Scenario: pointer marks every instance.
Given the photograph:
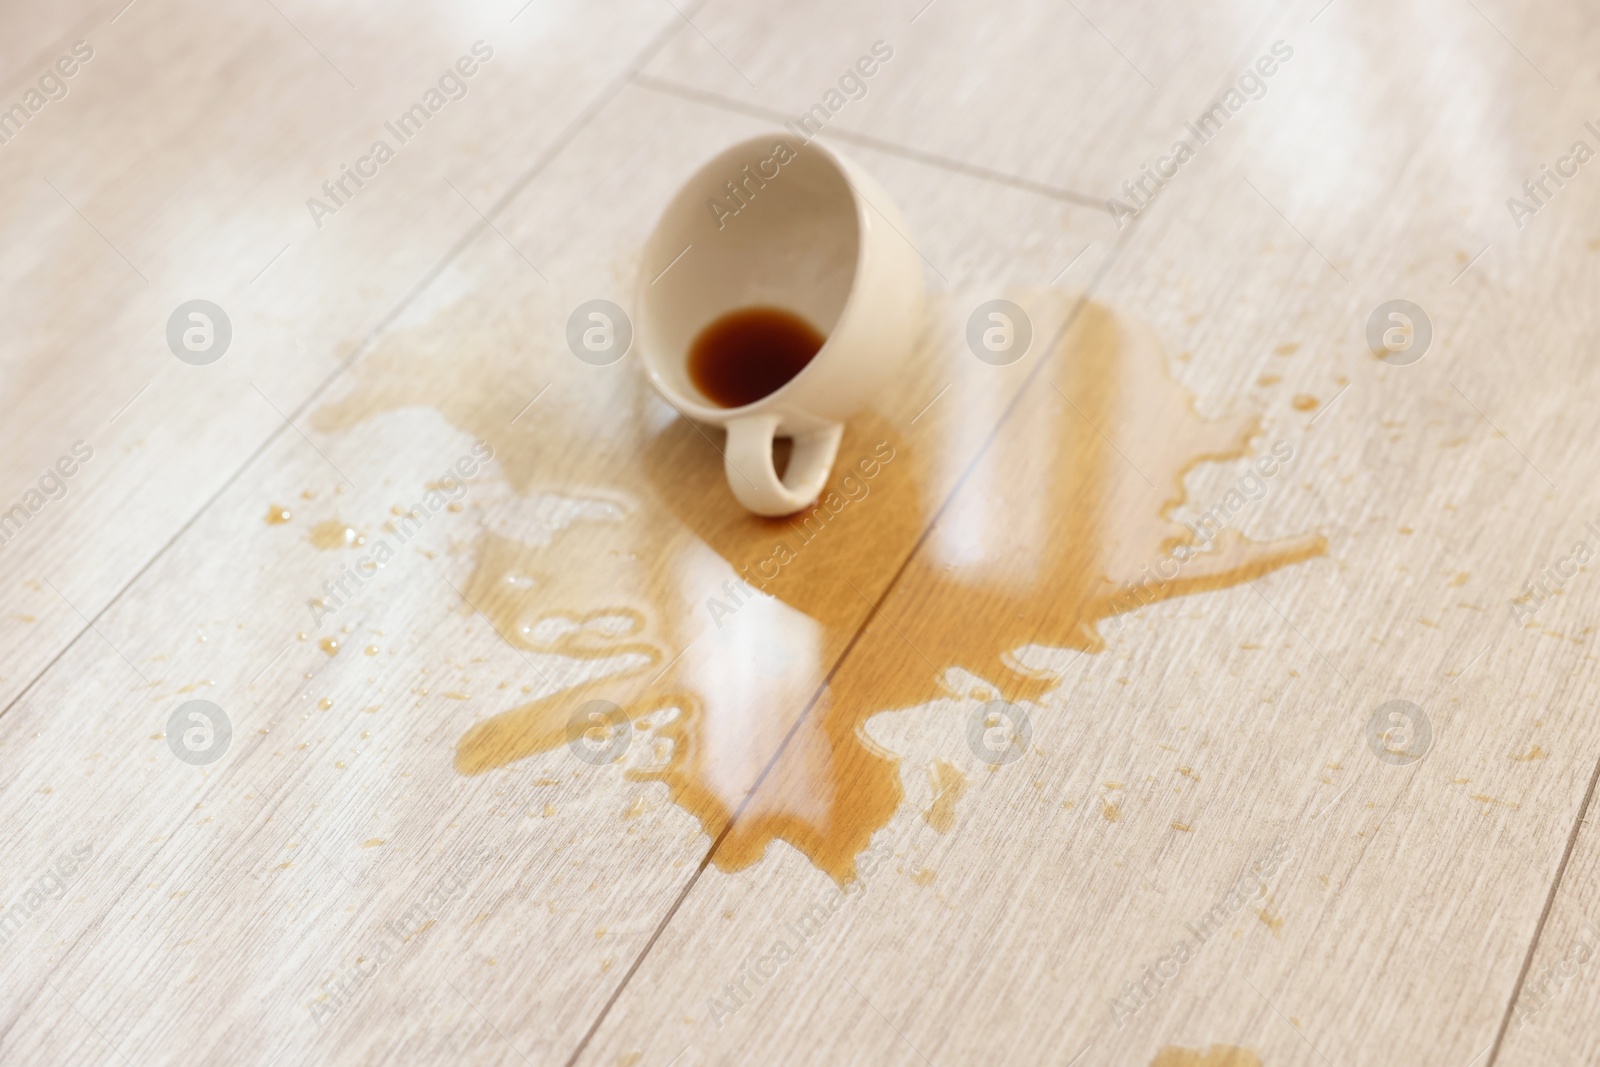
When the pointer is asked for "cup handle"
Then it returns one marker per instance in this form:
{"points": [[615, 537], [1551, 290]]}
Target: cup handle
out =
{"points": [[754, 480]]}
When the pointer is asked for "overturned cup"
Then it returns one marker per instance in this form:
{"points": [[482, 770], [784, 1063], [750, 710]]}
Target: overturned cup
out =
{"points": [[769, 250]]}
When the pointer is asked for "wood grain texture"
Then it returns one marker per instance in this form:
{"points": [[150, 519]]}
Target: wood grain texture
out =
{"points": [[1040, 928], [334, 889], [495, 320], [196, 186]]}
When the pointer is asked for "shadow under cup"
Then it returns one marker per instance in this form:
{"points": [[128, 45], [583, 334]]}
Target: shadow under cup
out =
{"points": [[762, 230]]}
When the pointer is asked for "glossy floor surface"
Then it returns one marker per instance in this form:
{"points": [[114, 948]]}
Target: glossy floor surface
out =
{"points": [[1202, 676]]}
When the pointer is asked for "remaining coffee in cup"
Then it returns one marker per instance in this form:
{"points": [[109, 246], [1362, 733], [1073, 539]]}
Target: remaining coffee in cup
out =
{"points": [[782, 319]]}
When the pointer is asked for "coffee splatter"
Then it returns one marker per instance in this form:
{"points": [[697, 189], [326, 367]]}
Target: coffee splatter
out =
{"points": [[332, 533], [1033, 539]]}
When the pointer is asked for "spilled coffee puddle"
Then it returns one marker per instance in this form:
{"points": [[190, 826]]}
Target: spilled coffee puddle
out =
{"points": [[1063, 521], [1215, 1056]]}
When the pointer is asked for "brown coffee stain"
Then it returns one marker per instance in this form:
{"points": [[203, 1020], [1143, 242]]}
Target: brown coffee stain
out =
{"points": [[1271, 919], [949, 784], [1215, 1056], [277, 515], [648, 589]]}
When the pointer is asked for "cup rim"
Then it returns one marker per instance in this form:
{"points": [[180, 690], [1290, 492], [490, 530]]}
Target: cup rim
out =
{"points": [[711, 412]]}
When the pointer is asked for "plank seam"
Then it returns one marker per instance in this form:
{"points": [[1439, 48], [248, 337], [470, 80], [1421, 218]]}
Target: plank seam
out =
{"points": [[1544, 915], [855, 639], [916, 155]]}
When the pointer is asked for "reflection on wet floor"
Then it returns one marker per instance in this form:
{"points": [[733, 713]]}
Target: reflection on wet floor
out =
{"points": [[939, 563]]}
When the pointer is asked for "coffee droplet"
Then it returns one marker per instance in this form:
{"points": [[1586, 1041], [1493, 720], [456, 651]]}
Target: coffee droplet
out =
{"points": [[335, 533]]}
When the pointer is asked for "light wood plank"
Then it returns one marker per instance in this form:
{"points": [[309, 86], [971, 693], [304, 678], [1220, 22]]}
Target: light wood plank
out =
{"points": [[178, 167], [1073, 96]]}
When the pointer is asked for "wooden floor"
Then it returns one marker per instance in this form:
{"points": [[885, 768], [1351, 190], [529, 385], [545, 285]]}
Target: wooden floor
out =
{"points": [[1068, 737]]}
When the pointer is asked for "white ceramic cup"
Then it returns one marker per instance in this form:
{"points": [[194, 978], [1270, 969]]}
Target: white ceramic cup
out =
{"points": [[772, 222]]}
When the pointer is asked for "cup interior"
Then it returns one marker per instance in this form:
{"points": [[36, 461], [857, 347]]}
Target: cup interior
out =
{"points": [[786, 235]]}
